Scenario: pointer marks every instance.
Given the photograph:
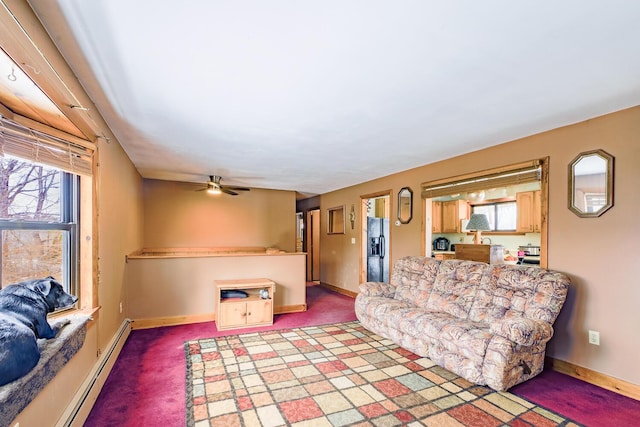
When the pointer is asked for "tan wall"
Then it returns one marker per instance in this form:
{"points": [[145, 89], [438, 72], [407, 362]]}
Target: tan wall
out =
{"points": [[175, 290], [600, 254], [120, 233], [178, 216]]}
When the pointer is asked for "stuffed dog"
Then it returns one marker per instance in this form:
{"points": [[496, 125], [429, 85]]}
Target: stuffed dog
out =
{"points": [[23, 319]]}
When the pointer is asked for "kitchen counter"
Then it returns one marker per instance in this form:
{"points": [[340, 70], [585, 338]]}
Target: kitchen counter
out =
{"points": [[444, 252]]}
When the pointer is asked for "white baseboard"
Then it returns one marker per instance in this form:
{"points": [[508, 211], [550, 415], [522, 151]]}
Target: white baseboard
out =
{"points": [[78, 410]]}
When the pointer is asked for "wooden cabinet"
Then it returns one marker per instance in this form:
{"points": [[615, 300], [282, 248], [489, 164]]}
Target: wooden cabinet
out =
{"points": [[446, 216], [491, 254], [254, 310], [442, 256], [453, 212], [529, 218], [436, 217]]}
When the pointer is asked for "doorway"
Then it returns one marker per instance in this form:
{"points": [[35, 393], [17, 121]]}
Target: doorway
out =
{"points": [[375, 238], [313, 245]]}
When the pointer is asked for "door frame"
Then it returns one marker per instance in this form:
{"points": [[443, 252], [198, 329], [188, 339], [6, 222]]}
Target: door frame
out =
{"points": [[313, 244], [363, 232]]}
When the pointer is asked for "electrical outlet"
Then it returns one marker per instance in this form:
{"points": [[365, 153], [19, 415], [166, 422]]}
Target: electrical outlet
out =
{"points": [[594, 337]]}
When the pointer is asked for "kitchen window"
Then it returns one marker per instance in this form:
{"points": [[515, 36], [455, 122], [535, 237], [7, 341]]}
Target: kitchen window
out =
{"points": [[502, 215]]}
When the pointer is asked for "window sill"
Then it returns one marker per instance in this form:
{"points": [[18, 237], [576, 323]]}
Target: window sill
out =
{"points": [[54, 354]]}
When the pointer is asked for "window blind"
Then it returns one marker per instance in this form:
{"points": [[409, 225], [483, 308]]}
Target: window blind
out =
{"points": [[524, 175], [39, 147]]}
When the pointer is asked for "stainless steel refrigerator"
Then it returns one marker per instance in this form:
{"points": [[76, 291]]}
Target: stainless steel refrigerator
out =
{"points": [[377, 249]]}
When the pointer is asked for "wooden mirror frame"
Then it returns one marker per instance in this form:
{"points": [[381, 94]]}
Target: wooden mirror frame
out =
{"points": [[607, 186], [336, 220], [405, 205]]}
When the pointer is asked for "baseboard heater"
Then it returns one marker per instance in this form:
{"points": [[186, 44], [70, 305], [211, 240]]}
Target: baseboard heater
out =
{"points": [[79, 408]]}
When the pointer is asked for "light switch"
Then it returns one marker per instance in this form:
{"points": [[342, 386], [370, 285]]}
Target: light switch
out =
{"points": [[353, 240]]}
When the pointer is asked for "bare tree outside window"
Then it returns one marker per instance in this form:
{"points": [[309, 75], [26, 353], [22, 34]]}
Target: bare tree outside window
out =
{"points": [[34, 238]]}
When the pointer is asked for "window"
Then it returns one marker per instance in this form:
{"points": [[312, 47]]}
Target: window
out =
{"points": [[39, 220], [502, 215], [595, 201]]}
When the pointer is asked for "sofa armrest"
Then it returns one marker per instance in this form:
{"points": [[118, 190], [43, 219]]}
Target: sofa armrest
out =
{"points": [[523, 331], [377, 289]]}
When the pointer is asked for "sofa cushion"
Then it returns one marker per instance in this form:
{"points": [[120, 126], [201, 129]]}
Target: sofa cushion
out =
{"points": [[514, 292], [413, 278], [377, 289], [381, 308], [455, 286]]}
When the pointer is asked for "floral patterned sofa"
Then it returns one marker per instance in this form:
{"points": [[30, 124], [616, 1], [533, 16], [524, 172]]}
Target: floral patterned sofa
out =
{"points": [[487, 323]]}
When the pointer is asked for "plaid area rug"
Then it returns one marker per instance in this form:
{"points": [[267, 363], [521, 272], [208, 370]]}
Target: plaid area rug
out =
{"points": [[337, 375]]}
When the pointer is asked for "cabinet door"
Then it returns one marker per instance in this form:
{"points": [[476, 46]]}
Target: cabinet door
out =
{"points": [[537, 212], [449, 215], [259, 312], [232, 314], [452, 213], [528, 204], [524, 203], [436, 217]]}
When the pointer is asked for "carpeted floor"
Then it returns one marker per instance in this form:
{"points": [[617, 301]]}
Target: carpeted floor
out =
{"points": [[147, 384], [337, 375]]}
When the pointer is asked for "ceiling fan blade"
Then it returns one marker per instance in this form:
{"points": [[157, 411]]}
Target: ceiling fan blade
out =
{"points": [[229, 187], [227, 191]]}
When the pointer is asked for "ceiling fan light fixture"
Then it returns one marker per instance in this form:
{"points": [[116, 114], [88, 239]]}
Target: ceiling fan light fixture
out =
{"points": [[214, 187], [214, 190]]}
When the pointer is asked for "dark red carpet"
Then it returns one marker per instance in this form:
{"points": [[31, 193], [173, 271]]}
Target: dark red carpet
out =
{"points": [[147, 384], [580, 401]]}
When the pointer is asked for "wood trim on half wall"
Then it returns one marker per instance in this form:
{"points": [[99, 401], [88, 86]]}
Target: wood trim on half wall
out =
{"points": [[339, 290], [157, 322]]}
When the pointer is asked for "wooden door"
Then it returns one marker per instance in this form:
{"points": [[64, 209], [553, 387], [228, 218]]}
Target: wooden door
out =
{"points": [[232, 314], [436, 217], [259, 312], [525, 203], [313, 245]]}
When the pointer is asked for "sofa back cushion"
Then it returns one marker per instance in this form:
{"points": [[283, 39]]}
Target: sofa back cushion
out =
{"points": [[413, 278], [455, 286], [518, 291]]}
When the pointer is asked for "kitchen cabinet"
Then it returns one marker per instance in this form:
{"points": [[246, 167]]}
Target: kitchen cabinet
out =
{"points": [[453, 212], [254, 310], [529, 218], [446, 216], [436, 217]]}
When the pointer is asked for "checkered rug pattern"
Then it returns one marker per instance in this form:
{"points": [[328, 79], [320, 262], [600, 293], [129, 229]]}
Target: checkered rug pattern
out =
{"points": [[337, 375]]}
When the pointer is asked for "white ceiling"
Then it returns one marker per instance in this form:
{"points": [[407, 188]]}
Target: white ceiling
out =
{"points": [[315, 96]]}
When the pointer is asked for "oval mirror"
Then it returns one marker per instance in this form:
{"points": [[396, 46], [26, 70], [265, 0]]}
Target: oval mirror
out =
{"points": [[405, 205], [591, 183]]}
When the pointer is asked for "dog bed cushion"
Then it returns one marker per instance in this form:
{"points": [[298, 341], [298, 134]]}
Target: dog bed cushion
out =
{"points": [[54, 354]]}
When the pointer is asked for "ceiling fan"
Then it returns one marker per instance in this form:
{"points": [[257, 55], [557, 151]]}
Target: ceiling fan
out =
{"points": [[214, 187]]}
